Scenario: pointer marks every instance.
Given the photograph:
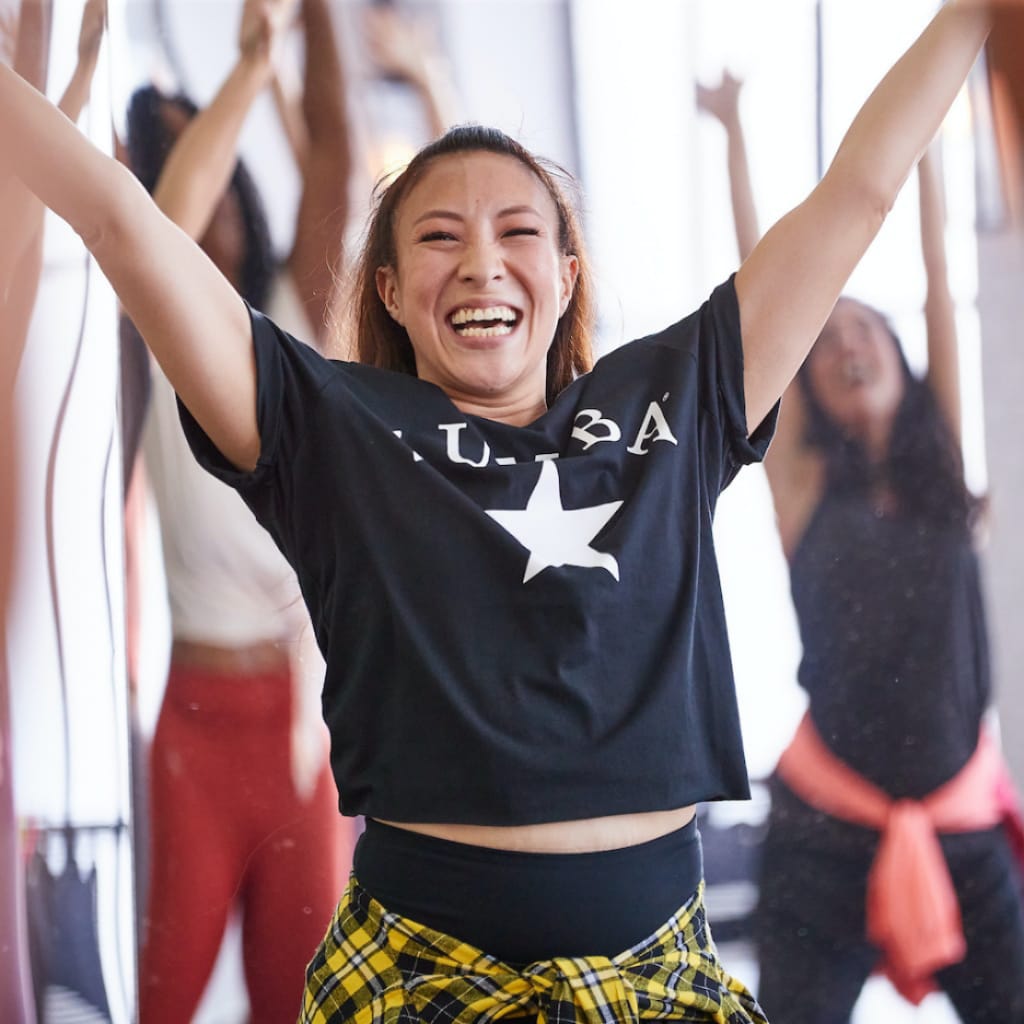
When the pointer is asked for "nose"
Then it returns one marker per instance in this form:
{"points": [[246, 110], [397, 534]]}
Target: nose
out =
{"points": [[481, 262], [846, 342], [841, 344]]}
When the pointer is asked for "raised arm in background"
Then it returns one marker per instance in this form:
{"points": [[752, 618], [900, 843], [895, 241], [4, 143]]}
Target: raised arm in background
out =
{"points": [[21, 213], [939, 309], [316, 254], [722, 102], [171, 290], [406, 50], [795, 470], [811, 252], [199, 167], [286, 89], [90, 35], [25, 38]]}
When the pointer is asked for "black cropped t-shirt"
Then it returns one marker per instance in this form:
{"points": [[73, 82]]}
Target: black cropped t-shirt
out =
{"points": [[520, 624]]}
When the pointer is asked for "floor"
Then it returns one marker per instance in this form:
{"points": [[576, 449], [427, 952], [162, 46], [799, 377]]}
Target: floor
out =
{"points": [[878, 1004]]}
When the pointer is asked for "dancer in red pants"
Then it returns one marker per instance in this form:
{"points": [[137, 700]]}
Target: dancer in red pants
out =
{"points": [[243, 810]]}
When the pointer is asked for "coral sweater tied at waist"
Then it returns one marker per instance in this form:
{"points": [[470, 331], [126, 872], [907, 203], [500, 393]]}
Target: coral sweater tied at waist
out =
{"points": [[912, 911]]}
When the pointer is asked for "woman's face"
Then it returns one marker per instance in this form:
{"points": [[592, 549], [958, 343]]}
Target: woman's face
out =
{"points": [[855, 371], [479, 282]]}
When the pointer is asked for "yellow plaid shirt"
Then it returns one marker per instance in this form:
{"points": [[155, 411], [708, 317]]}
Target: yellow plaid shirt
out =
{"points": [[375, 967]]}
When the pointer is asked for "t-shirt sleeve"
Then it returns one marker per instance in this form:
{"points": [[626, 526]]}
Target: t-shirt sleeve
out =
{"points": [[289, 377], [720, 360]]}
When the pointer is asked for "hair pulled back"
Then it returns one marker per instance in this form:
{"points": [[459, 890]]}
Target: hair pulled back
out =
{"points": [[381, 342]]}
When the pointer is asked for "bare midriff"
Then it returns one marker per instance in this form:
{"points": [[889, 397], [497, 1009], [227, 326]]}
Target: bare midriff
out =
{"points": [[584, 835]]}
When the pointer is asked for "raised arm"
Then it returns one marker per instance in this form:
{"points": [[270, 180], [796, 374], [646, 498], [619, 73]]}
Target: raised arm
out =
{"points": [[315, 259], [199, 167], [406, 50], [939, 308], [190, 316], [21, 249], [722, 102], [809, 254], [90, 35], [25, 40], [287, 92], [794, 472]]}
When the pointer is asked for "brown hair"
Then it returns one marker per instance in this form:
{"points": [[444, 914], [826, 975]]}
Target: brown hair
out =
{"points": [[381, 342]]}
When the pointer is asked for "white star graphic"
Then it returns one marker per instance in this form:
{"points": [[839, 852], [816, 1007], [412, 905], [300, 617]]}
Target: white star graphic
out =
{"points": [[556, 536]]}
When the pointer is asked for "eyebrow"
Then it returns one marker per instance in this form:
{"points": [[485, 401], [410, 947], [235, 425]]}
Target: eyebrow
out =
{"points": [[508, 211]]}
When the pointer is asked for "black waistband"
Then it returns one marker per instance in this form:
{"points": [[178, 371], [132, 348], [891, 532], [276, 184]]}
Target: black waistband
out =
{"points": [[522, 907]]}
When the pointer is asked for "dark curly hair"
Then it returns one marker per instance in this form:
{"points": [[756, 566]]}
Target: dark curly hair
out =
{"points": [[149, 142], [380, 341], [923, 466]]}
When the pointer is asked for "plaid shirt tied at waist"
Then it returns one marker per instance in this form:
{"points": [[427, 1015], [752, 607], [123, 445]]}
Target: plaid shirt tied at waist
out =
{"points": [[375, 967]]}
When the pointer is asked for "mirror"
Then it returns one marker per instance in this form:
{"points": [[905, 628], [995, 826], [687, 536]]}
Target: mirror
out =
{"points": [[68, 868], [85, 691]]}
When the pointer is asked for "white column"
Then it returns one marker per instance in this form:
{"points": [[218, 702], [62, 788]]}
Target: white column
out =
{"points": [[1001, 261]]}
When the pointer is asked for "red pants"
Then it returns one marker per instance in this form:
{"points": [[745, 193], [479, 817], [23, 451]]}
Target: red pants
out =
{"points": [[227, 828]]}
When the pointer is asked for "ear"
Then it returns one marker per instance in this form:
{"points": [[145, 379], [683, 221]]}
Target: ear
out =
{"points": [[570, 270], [387, 288]]}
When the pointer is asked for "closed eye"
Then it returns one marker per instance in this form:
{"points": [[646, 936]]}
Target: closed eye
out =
{"points": [[437, 236], [522, 231]]}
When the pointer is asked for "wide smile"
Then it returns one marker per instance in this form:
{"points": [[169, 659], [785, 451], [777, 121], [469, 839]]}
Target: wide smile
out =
{"points": [[484, 321]]}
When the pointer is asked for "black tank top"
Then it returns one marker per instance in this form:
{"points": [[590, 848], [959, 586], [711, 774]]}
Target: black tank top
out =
{"points": [[895, 649]]}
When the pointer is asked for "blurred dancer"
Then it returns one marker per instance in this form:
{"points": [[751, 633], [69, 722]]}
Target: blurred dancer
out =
{"points": [[243, 810]]}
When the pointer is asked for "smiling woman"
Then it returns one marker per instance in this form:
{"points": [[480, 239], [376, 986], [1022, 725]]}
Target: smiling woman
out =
{"points": [[477, 242], [493, 224], [857, 373], [493, 704]]}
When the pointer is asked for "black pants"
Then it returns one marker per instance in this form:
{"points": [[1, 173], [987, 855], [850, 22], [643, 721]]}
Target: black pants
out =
{"points": [[810, 923], [523, 907]]}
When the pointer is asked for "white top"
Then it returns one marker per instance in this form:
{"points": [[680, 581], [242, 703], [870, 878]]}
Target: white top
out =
{"points": [[227, 583]]}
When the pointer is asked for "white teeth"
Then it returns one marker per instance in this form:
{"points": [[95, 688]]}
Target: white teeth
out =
{"points": [[468, 315], [486, 332]]}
